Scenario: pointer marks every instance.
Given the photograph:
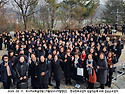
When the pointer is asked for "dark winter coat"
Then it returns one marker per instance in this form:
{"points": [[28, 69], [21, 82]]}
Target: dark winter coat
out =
{"points": [[3, 70], [49, 64], [33, 71], [102, 71], [42, 67], [57, 70], [22, 70], [67, 67]]}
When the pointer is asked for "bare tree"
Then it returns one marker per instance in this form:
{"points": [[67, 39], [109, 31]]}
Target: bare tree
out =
{"points": [[2, 3], [23, 9], [3, 21]]}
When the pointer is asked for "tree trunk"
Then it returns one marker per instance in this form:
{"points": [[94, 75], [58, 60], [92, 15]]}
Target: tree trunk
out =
{"points": [[25, 22], [52, 23]]}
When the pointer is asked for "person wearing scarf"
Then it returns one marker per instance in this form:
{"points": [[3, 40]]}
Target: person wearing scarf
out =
{"points": [[112, 62], [77, 63], [83, 57], [6, 72], [90, 65]]}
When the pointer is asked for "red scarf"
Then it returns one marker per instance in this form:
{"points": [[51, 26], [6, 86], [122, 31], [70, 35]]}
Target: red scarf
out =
{"points": [[109, 60], [83, 56]]}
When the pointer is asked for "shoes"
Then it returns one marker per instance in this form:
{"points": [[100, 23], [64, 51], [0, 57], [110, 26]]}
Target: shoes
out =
{"points": [[70, 83], [88, 88], [106, 84], [56, 87], [77, 86], [109, 86]]}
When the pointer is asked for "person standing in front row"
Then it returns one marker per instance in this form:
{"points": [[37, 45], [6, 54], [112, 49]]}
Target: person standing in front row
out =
{"points": [[6, 72], [49, 64], [33, 71], [43, 73], [91, 68], [102, 70], [67, 67], [22, 73], [112, 62], [76, 63], [57, 71]]}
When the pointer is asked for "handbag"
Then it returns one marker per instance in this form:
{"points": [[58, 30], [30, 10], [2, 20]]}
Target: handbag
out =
{"points": [[22, 85], [93, 78]]}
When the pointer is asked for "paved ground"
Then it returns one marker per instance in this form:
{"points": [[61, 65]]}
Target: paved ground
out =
{"points": [[118, 83]]}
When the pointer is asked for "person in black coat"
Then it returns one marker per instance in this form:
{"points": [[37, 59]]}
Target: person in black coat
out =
{"points": [[116, 49], [6, 72], [76, 63], [39, 52], [121, 46], [42, 73], [62, 56], [33, 71], [22, 73], [16, 50], [57, 71], [112, 62], [8, 40], [102, 70], [49, 64], [83, 57], [67, 67], [12, 59], [1, 41]]}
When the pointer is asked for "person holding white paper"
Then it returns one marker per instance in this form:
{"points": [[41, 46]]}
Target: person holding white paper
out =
{"points": [[77, 63]]}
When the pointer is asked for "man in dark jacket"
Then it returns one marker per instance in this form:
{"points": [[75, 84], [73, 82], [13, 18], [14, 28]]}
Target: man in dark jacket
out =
{"points": [[6, 72], [67, 67], [58, 74], [22, 73], [49, 64]]}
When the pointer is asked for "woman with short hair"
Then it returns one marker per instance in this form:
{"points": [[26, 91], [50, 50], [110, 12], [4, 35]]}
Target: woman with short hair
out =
{"points": [[22, 73], [102, 70]]}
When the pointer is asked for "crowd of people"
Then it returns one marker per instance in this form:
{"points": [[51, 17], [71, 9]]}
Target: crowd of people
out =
{"points": [[46, 55]]}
